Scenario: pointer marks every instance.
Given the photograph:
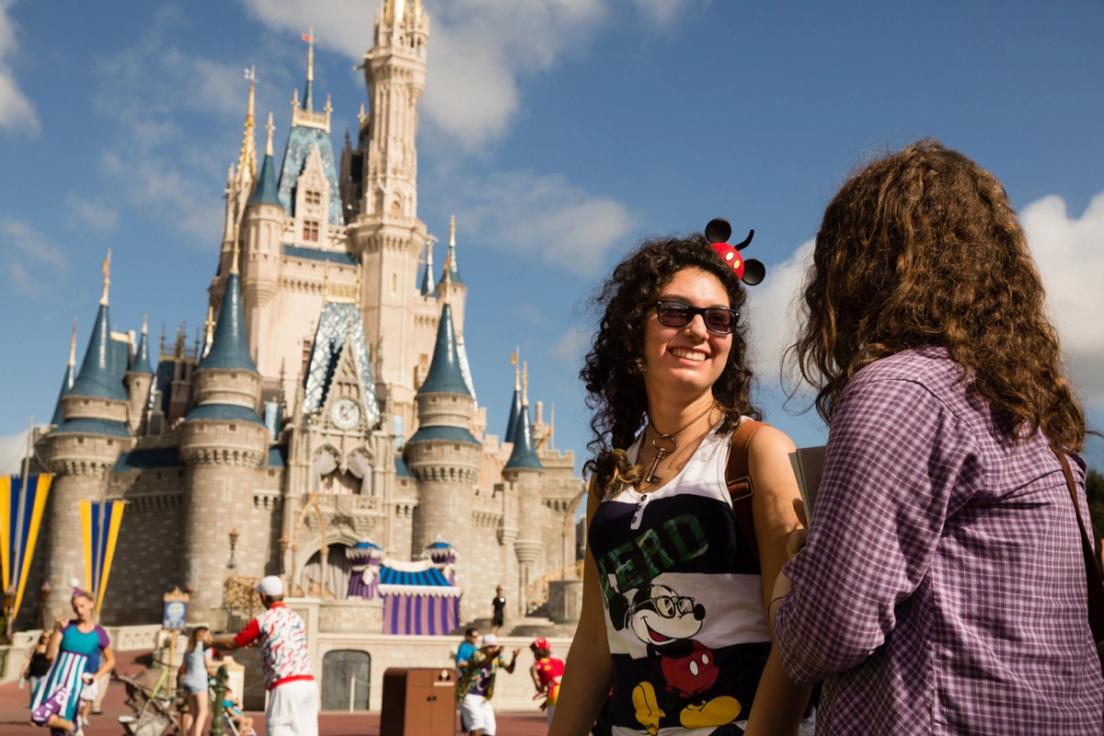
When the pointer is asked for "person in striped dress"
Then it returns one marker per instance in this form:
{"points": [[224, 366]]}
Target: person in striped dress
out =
{"points": [[80, 651]]}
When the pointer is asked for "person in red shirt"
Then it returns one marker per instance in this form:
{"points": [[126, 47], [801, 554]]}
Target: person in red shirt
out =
{"points": [[546, 673], [282, 636]]}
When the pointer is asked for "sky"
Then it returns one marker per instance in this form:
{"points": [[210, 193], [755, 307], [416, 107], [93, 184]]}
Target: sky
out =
{"points": [[560, 133]]}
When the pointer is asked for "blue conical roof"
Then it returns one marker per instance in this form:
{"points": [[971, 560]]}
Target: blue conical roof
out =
{"points": [[524, 454], [451, 271], [445, 375], [266, 191], [66, 385], [140, 363], [428, 287], [98, 373], [230, 345], [515, 412]]}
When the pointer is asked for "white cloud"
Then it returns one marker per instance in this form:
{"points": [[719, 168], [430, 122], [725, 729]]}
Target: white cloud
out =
{"points": [[12, 450], [17, 114], [91, 214], [30, 257], [541, 216], [1069, 252], [662, 13], [572, 346], [154, 92]]}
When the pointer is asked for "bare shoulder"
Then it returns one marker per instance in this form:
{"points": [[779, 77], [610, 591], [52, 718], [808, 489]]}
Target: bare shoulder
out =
{"points": [[770, 443]]}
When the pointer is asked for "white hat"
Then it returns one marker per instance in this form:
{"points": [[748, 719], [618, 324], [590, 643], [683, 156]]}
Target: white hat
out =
{"points": [[490, 640], [271, 586]]}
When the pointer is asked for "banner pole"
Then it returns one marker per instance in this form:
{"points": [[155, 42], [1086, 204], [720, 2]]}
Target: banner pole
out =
{"points": [[16, 561]]}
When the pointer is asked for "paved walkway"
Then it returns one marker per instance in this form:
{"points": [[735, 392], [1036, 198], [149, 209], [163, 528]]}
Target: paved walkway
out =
{"points": [[14, 714]]}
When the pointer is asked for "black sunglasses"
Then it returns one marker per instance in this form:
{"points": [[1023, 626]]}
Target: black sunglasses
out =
{"points": [[718, 320]]}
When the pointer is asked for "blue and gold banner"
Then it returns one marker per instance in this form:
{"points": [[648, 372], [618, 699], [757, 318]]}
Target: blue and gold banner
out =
{"points": [[100, 522], [22, 506]]}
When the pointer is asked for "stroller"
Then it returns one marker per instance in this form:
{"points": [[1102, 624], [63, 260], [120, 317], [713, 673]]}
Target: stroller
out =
{"points": [[153, 706]]}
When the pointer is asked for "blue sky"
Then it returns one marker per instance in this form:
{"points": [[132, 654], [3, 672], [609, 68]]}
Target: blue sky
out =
{"points": [[560, 132]]}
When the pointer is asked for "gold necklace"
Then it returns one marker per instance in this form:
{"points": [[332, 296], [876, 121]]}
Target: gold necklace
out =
{"points": [[665, 444]]}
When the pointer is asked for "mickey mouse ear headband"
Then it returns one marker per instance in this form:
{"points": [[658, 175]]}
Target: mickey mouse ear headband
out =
{"points": [[749, 271]]}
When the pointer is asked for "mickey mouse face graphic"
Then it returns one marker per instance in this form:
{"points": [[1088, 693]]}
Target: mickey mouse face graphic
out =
{"points": [[659, 616]]}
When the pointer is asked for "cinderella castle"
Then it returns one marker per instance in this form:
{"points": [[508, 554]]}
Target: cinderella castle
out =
{"points": [[326, 429]]}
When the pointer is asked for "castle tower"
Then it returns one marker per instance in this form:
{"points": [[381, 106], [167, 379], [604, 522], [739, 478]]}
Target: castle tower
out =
{"points": [[515, 403], [70, 376], [387, 235], [241, 177], [428, 285], [261, 231], [443, 455], [223, 443], [82, 449], [139, 379], [452, 288], [525, 471]]}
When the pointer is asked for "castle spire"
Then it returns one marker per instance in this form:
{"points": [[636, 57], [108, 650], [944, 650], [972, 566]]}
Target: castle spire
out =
{"points": [[140, 363], [427, 277], [247, 156], [445, 374], [524, 454], [266, 190], [97, 377], [229, 343], [451, 271], [67, 380], [106, 278], [515, 402], [308, 92]]}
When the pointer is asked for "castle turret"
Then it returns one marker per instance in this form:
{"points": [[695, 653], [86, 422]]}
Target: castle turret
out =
{"points": [[223, 443], [525, 472], [82, 448], [515, 402], [428, 285], [452, 288], [443, 454], [261, 233], [139, 379], [67, 380]]}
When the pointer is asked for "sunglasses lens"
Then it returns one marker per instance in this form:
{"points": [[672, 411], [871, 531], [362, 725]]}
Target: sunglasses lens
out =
{"points": [[673, 314], [719, 320]]}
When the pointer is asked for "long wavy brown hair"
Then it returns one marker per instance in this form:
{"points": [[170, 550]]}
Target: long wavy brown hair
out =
{"points": [[614, 368], [923, 248]]}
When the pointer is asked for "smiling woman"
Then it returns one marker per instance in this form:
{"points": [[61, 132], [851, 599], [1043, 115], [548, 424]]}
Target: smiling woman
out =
{"points": [[691, 500]]}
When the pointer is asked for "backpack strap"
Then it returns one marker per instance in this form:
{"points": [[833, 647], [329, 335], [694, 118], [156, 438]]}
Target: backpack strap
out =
{"points": [[738, 481]]}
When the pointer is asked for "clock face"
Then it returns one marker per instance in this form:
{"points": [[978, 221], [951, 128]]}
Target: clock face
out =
{"points": [[345, 413]]}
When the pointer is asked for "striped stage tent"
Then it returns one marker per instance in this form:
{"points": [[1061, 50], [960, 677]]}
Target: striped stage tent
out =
{"points": [[417, 599], [22, 506], [100, 522]]}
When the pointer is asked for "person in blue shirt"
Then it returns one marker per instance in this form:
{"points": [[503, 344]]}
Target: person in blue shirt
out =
{"points": [[467, 647]]}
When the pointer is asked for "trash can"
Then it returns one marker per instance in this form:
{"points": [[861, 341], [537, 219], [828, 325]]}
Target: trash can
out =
{"points": [[418, 701]]}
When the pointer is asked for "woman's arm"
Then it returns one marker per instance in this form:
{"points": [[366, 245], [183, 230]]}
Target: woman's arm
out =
{"points": [[589, 668], [55, 643], [107, 663], [779, 703]]}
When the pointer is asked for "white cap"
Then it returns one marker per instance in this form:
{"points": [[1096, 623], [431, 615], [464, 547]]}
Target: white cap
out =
{"points": [[490, 640], [271, 586]]}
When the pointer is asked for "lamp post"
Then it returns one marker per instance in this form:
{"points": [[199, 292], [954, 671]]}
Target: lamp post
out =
{"points": [[233, 535]]}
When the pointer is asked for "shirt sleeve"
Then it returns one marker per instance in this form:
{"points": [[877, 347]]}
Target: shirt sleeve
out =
{"points": [[895, 460], [249, 634], [105, 640]]}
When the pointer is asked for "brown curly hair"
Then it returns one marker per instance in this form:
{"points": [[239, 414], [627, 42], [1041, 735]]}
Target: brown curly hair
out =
{"points": [[614, 369], [922, 247]]}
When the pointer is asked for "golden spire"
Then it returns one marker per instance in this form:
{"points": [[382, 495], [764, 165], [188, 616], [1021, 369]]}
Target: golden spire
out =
{"points": [[362, 115], [310, 55], [234, 259], [209, 328], [106, 277], [525, 384], [73, 345], [145, 324], [247, 157], [452, 231], [517, 368], [270, 128]]}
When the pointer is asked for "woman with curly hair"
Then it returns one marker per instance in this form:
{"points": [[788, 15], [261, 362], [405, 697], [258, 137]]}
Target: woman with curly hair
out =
{"points": [[673, 614], [942, 588]]}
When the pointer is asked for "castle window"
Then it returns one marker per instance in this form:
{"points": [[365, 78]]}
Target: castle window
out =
{"points": [[310, 230], [312, 196]]}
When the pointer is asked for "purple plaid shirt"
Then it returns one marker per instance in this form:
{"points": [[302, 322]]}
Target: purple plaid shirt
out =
{"points": [[942, 589]]}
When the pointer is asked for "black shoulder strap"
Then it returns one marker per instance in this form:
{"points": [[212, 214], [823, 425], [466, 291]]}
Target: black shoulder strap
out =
{"points": [[1093, 577], [738, 480]]}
